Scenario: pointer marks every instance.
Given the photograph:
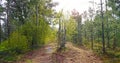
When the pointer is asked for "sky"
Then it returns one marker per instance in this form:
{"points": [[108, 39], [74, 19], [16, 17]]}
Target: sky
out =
{"points": [[79, 5]]}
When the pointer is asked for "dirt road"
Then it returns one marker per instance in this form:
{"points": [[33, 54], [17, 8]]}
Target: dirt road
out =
{"points": [[71, 55]]}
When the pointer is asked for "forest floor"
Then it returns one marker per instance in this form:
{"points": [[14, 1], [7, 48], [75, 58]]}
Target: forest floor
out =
{"points": [[72, 54]]}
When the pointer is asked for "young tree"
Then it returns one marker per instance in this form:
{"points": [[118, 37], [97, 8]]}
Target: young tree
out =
{"points": [[108, 39], [61, 31], [102, 19], [115, 5], [78, 19], [91, 14]]}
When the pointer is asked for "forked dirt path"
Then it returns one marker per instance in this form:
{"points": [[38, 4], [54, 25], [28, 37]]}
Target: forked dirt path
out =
{"points": [[71, 55]]}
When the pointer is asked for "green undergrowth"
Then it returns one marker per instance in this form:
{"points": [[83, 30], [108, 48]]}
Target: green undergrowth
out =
{"points": [[111, 55]]}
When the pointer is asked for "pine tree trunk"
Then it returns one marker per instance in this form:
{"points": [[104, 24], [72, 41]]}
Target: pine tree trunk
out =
{"points": [[0, 33], [8, 20], [79, 33], [115, 37], [108, 45], [91, 37], [102, 18]]}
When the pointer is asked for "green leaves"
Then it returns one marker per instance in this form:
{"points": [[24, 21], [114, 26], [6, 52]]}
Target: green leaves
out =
{"points": [[71, 26], [115, 5], [18, 42]]}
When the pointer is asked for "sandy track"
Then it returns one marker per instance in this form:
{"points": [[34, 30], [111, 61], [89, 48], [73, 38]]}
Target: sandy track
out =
{"points": [[72, 55]]}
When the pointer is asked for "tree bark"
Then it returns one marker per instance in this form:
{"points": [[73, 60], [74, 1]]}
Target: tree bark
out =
{"points": [[79, 32], [102, 18], [108, 44], [8, 20], [0, 33]]}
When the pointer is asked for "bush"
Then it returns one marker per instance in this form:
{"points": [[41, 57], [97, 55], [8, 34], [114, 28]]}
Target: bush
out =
{"points": [[16, 44]]}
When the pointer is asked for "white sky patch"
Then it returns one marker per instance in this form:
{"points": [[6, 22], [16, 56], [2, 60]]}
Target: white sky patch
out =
{"points": [[79, 5]]}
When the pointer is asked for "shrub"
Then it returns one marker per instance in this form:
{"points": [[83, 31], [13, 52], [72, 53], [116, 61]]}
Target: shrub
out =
{"points": [[18, 42]]}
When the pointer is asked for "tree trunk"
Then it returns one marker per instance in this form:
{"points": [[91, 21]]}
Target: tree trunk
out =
{"points": [[108, 45], [0, 33], [8, 19], [79, 33], [91, 37], [114, 41], [115, 36], [102, 18]]}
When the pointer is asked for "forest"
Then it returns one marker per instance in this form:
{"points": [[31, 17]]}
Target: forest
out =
{"points": [[32, 31]]}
